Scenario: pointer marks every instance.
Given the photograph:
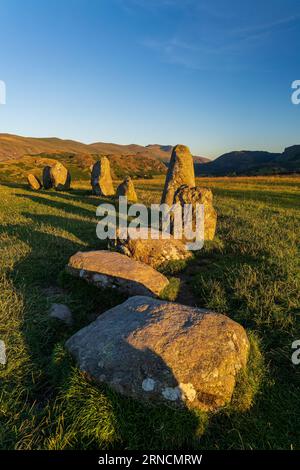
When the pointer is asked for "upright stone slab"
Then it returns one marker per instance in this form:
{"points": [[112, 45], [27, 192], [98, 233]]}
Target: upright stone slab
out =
{"points": [[101, 180], [198, 195], [60, 177], [127, 189], [110, 269], [181, 171], [47, 182], [160, 351], [34, 182]]}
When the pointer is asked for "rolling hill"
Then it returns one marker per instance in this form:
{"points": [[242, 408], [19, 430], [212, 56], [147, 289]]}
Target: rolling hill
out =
{"points": [[20, 155], [14, 146]]}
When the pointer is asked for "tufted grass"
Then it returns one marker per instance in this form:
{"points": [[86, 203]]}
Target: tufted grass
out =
{"points": [[250, 272]]}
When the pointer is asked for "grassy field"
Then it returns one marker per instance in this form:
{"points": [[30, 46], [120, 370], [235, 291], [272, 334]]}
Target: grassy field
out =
{"points": [[250, 272]]}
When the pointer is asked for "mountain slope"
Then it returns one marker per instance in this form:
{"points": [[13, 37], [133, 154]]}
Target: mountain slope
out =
{"points": [[14, 146], [17, 152], [248, 162], [20, 155]]}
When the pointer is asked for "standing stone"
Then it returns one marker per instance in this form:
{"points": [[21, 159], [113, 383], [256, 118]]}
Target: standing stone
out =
{"points": [[47, 182], [181, 171], [198, 195], [166, 352], [101, 180], [60, 177], [127, 189], [34, 182]]}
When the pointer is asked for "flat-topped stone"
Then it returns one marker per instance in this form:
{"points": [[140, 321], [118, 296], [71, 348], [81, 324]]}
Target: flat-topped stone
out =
{"points": [[153, 250], [111, 269], [159, 351]]}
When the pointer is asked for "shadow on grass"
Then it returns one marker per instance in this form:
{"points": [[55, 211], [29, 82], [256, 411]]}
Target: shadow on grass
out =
{"points": [[84, 415], [8, 184], [77, 195], [51, 377], [58, 201]]}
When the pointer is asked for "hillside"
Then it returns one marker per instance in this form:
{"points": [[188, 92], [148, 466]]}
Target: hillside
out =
{"points": [[248, 162], [20, 155], [14, 146], [79, 165]]}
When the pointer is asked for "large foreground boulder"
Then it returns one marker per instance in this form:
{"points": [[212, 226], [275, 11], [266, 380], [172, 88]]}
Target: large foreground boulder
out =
{"points": [[34, 182], [180, 172], [159, 351], [126, 189], [153, 251], [60, 177], [198, 195], [101, 180], [110, 269]]}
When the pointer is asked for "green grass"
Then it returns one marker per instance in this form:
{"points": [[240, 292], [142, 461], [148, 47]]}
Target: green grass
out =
{"points": [[250, 272]]}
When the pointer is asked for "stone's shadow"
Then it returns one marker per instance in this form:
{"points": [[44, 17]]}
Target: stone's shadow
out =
{"points": [[47, 255], [38, 271], [15, 185], [85, 231], [65, 205], [80, 195]]}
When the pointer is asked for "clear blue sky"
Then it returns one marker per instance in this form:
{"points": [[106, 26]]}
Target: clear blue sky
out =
{"points": [[212, 74]]}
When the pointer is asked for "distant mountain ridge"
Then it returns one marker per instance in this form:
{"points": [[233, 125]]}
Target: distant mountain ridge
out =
{"points": [[21, 155], [137, 160], [14, 146], [248, 162], [163, 153]]}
